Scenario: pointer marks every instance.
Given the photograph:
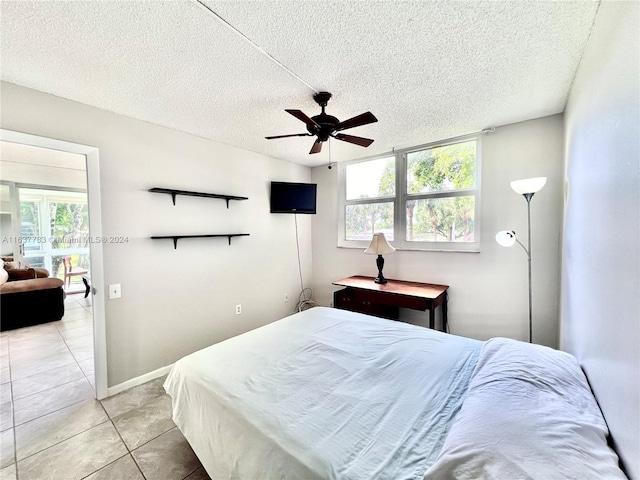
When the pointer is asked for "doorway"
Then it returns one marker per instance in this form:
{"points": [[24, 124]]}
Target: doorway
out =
{"points": [[59, 223]]}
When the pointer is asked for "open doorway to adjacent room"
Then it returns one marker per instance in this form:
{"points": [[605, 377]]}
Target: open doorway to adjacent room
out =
{"points": [[46, 225], [46, 222]]}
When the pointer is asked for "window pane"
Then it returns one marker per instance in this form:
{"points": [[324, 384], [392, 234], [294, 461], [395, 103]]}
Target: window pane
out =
{"points": [[69, 224], [448, 219], [442, 168], [30, 229], [376, 178], [35, 262], [362, 221]]}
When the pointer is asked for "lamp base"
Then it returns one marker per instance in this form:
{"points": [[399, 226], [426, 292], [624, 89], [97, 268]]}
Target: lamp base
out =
{"points": [[380, 264]]}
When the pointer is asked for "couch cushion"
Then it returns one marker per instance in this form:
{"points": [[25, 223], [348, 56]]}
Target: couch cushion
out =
{"points": [[21, 274], [4, 276], [30, 285], [41, 272], [22, 265]]}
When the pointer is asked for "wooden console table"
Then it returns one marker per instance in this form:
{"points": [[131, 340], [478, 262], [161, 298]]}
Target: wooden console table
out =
{"points": [[363, 295]]}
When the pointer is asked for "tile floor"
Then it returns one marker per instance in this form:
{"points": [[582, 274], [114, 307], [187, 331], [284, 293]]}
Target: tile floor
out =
{"points": [[52, 427]]}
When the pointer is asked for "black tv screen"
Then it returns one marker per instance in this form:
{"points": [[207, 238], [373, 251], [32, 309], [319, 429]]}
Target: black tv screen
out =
{"points": [[293, 197]]}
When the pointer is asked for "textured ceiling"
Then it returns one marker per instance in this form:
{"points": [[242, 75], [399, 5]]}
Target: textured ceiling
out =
{"points": [[427, 69]]}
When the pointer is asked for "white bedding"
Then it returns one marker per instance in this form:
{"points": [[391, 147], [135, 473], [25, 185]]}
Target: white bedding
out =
{"points": [[529, 414], [333, 394], [325, 393]]}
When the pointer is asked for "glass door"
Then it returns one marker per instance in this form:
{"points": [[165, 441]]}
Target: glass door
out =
{"points": [[54, 226]]}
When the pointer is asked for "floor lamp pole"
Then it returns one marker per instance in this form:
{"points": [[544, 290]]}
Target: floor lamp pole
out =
{"points": [[528, 197]]}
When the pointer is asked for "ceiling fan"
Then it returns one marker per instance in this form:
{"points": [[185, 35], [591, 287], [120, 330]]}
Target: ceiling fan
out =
{"points": [[324, 126]]}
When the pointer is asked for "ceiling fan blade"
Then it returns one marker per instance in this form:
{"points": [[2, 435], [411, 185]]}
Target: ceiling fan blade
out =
{"points": [[362, 119], [300, 115], [317, 146], [292, 135], [363, 142]]}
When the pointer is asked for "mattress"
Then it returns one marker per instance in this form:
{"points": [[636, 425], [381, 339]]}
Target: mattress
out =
{"points": [[324, 393]]}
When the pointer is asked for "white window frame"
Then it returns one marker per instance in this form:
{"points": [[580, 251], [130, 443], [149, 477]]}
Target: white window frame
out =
{"points": [[401, 197]]}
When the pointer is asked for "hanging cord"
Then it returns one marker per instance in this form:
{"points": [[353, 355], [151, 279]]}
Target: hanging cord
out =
{"points": [[304, 302], [295, 216]]}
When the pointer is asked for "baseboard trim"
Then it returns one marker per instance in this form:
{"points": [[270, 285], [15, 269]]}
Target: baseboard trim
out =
{"points": [[134, 382]]}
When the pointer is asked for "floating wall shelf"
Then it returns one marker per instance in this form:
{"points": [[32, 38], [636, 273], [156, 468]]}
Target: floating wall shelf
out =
{"points": [[173, 194], [175, 238]]}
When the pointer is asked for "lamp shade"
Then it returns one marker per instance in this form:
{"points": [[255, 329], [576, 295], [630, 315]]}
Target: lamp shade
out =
{"points": [[506, 238], [379, 245], [528, 185]]}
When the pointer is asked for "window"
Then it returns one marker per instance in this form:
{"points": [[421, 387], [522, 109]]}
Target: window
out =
{"points": [[54, 225], [424, 198]]}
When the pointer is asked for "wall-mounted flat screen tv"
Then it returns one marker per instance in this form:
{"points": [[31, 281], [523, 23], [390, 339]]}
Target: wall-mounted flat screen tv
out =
{"points": [[293, 197]]}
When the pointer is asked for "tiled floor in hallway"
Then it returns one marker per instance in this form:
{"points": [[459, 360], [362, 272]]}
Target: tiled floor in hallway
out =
{"points": [[52, 427]]}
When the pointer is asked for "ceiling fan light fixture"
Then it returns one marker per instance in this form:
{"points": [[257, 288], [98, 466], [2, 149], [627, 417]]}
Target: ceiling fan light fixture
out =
{"points": [[322, 98], [324, 125]]}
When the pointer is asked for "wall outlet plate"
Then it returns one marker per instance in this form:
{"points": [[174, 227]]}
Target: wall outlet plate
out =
{"points": [[114, 291], [238, 309]]}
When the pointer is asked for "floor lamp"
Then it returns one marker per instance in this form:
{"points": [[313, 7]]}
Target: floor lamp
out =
{"points": [[527, 188]]}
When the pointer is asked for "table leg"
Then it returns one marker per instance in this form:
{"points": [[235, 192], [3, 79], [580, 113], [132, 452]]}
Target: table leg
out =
{"points": [[432, 317], [87, 287], [445, 323]]}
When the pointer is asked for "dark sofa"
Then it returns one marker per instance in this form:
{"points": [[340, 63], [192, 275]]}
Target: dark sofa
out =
{"points": [[28, 297]]}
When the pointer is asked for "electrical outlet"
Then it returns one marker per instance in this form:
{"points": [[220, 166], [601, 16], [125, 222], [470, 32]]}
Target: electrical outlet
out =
{"points": [[286, 297], [238, 309], [114, 291]]}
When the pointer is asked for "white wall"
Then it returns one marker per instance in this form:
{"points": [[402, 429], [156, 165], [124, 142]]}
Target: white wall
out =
{"points": [[43, 175], [601, 263], [176, 301], [488, 290], [39, 166]]}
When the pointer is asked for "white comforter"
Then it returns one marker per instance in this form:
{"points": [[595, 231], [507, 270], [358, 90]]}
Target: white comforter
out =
{"points": [[324, 393], [529, 414]]}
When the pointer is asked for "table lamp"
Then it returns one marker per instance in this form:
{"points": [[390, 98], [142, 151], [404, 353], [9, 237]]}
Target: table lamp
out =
{"points": [[379, 246]]}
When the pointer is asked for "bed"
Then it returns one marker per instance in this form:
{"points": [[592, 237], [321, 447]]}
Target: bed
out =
{"points": [[332, 394]]}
